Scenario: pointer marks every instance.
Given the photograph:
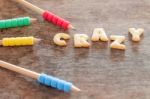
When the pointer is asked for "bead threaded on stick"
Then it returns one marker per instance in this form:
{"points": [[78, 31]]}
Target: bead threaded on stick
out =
{"points": [[16, 22], [18, 41], [50, 17], [54, 82], [41, 78]]}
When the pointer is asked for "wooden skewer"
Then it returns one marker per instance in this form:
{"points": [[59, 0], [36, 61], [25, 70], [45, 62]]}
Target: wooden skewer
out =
{"points": [[71, 27], [26, 72], [36, 9], [31, 6], [36, 40], [19, 70], [32, 20]]}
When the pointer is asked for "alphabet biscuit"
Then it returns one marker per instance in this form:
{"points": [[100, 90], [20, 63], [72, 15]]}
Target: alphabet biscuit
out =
{"points": [[80, 40], [58, 39], [136, 33], [99, 34], [117, 42]]}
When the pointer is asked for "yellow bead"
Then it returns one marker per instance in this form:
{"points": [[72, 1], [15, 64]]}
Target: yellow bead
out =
{"points": [[18, 41]]}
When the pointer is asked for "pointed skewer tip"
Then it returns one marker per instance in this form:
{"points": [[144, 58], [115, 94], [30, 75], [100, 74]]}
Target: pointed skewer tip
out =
{"points": [[72, 27], [74, 88], [37, 40]]}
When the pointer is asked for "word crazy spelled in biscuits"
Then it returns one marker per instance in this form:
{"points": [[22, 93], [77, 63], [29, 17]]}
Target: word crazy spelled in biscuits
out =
{"points": [[81, 40]]}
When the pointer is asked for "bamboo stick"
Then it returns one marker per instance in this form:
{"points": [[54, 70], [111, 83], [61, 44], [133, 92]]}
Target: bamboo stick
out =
{"points": [[19, 70], [30, 6], [36, 9], [26, 72], [32, 20]]}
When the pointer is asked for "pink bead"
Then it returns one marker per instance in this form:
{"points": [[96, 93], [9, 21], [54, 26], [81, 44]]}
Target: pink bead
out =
{"points": [[50, 17]]}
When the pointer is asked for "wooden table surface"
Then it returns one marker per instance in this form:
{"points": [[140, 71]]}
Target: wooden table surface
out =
{"points": [[100, 72]]}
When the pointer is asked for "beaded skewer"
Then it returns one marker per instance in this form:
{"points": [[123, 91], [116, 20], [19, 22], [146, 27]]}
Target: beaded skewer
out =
{"points": [[16, 22], [48, 16], [41, 78], [19, 41]]}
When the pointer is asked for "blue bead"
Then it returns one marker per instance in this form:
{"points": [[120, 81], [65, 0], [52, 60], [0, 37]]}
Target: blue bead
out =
{"points": [[60, 85], [54, 82], [67, 87], [41, 78], [48, 81]]}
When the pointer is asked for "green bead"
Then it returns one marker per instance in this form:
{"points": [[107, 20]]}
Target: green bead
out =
{"points": [[20, 22], [8, 23], [2, 24], [16, 22], [26, 21]]}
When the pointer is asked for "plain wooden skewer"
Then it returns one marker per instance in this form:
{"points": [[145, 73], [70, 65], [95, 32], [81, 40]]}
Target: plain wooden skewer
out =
{"points": [[30, 6], [26, 72], [36, 9]]}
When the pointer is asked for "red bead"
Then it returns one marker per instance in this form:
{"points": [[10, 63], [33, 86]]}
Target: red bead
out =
{"points": [[55, 19], [59, 22], [50, 17]]}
